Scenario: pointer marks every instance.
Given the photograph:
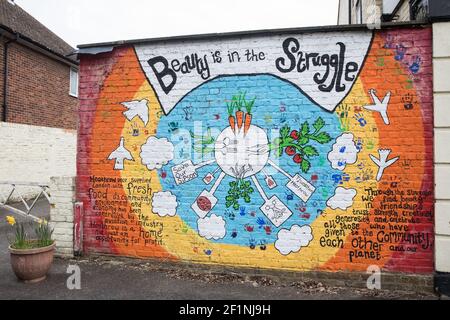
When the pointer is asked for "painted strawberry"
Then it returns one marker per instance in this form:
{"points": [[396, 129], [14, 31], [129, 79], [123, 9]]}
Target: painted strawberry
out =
{"points": [[298, 158], [290, 151], [294, 134]]}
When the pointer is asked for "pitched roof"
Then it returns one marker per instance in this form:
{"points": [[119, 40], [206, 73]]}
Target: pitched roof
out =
{"points": [[13, 17]]}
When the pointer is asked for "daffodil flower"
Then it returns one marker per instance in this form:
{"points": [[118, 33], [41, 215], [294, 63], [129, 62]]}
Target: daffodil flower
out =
{"points": [[11, 220]]}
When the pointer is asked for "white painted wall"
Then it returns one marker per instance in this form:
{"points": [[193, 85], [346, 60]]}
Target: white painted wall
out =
{"points": [[370, 9], [62, 214], [441, 65], [343, 12], [403, 13], [34, 154]]}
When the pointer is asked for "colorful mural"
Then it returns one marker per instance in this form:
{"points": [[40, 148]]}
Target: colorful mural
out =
{"points": [[298, 152]]}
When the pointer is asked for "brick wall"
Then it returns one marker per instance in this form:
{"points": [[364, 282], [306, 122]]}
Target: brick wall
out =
{"points": [[34, 154], [331, 170], [62, 191], [38, 89]]}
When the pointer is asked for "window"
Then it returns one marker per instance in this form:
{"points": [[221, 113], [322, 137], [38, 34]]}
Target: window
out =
{"points": [[73, 90], [389, 6]]}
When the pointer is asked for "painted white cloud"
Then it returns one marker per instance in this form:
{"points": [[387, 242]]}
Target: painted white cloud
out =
{"points": [[164, 204], [212, 227], [292, 240], [344, 152], [156, 153], [342, 199]]}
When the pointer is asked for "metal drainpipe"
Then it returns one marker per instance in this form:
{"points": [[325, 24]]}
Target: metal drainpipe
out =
{"points": [[5, 78]]}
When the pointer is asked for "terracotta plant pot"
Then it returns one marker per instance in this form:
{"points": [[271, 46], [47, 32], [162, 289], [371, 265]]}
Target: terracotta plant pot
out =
{"points": [[32, 265]]}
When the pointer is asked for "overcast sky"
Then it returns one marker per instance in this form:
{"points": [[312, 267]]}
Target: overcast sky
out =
{"points": [[89, 21]]}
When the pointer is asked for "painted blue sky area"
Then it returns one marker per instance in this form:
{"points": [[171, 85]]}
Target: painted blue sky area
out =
{"points": [[278, 103]]}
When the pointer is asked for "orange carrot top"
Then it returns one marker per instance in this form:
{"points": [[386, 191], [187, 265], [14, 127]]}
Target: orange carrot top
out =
{"points": [[231, 120], [248, 116], [239, 113], [238, 102]]}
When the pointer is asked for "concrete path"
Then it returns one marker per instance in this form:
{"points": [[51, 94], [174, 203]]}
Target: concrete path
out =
{"points": [[110, 278]]}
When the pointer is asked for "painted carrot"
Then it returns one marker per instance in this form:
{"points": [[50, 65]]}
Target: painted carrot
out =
{"points": [[232, 123], [248, 115], [231, 120], [239, 113], [239, 118], [247, 122]]}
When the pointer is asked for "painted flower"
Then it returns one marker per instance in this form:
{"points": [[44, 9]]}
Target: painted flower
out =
{"points": [[11, 220]]}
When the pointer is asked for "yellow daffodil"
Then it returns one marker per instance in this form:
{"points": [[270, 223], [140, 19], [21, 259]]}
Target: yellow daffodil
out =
{"points": [[11, 220]]}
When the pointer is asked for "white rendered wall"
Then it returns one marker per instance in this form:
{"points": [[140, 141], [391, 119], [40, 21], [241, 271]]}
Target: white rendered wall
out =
{"points": [[34, 154], [441, 63]]}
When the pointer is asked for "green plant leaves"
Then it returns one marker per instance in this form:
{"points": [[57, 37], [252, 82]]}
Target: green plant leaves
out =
{"points": [[239, 189], [203, 144], [284, 132], [322, 138], [305, 166], [319, 124], [239, 101], [305, 129], [42, 235], [303, 140], [310, 151]]}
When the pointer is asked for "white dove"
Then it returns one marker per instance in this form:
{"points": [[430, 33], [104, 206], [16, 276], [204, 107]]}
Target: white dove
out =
{"points": [[379, 106], [383, 161], [136, 108]]}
